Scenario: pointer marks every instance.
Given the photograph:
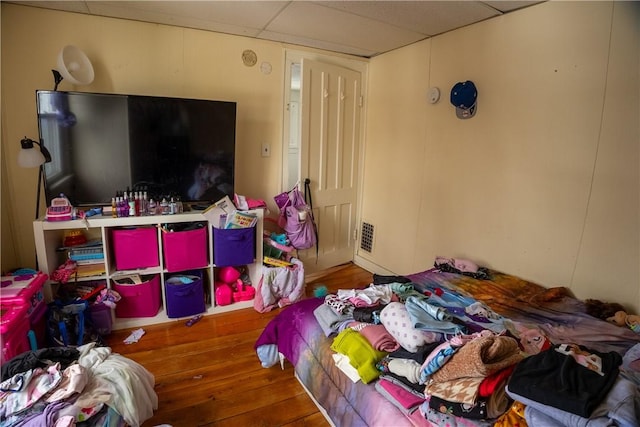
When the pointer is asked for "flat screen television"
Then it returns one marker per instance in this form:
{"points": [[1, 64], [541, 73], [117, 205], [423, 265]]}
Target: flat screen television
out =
{"points": [[103, 144]]}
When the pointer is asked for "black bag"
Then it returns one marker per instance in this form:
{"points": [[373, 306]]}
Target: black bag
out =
{"points": [[69, 324]]}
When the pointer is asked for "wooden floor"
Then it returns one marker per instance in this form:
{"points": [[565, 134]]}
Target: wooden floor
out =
{"points": [[209, 375]]}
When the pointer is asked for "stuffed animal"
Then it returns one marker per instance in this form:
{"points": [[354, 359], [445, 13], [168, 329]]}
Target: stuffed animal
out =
{"points": [[621, 318]]}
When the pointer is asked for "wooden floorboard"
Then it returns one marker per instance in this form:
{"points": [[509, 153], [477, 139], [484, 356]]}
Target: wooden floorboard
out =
{"points": [[209, 375]]}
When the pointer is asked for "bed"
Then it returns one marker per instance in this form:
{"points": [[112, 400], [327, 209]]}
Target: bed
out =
{"points": [[533, 316], [87, 385]]}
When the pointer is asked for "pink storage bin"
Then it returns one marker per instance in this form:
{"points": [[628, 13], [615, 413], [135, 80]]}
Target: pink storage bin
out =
{"points": [[185, 250], [138, 300], [24, 290], [14, 330], [135, 248]]}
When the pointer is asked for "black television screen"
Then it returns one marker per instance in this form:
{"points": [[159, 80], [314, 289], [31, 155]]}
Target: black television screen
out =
{"points": [[102, 144]]}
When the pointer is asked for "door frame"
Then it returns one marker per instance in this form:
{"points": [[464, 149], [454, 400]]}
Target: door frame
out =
{"points": [[360, 65]]}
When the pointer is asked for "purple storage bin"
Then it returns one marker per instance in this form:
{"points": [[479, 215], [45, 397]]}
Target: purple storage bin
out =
{"points": [[234, 246], [185, 250], [135, 248], [101, 318], [184, 299]]}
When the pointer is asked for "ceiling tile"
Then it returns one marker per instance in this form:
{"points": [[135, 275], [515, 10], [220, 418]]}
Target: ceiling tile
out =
{"points": [[363, 28], [318, 44], [508, 5], [69, 6], [316, 22], [253, 14], [209, 16], [425, 17]]}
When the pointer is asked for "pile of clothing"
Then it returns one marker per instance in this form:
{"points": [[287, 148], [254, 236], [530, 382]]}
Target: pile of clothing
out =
{"points": [[459, 363], [64, 386]]}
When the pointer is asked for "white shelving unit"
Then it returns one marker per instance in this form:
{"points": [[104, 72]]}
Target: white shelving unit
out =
{"points": [[49, 236]]}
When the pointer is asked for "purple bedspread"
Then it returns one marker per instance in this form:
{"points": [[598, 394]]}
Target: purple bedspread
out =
{"points": [[301, 340]]}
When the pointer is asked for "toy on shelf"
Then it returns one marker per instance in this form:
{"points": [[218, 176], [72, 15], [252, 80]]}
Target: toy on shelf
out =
{"points": [[231, 288], [276, 245]]}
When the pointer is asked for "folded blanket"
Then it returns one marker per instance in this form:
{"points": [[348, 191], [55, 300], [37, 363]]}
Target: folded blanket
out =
{"points": [[406, 401], [329, 319], [620, 407], [362, 355], [459, 390], [396, 319], [441, 417], [480, 357], [568, 377], [428, 317], [379, 338], [403, 382], [476, 411]]}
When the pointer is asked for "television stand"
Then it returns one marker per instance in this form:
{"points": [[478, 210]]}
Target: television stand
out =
{"points": [[198, 207], [49, 238]]}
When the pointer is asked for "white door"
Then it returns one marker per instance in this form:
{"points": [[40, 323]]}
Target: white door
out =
{"points": [[330, 139]]}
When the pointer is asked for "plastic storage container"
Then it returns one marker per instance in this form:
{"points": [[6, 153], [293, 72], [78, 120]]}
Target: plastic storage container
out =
{"points": [[185, 250], [23, 290], [26, 291], [135, 248], [14, 329], [234, 246], [184, 295], [138, 299]]}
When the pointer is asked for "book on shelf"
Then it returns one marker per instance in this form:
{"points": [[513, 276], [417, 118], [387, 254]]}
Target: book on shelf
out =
{"points": [[88, 270], [239, 219], [87, 257], [90, 261], [217, 212], [274, 262], [89, 244], [88, 254]]}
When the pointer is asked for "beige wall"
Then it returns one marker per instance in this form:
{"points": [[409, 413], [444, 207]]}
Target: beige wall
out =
{"points": [[544, 181], [131, 57]]}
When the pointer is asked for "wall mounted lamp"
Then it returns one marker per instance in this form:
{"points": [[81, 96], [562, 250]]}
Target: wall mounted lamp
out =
{"points": [[33, 154]]}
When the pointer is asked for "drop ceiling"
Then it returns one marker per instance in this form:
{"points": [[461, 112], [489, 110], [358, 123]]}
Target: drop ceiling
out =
{"points": [[362, 28]]}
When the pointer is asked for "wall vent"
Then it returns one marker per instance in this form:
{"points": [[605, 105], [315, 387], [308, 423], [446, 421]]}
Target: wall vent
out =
{"points": [[366, 237]]}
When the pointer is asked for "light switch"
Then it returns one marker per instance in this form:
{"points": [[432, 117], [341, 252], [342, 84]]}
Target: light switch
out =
{"points": [[266, 149]]}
